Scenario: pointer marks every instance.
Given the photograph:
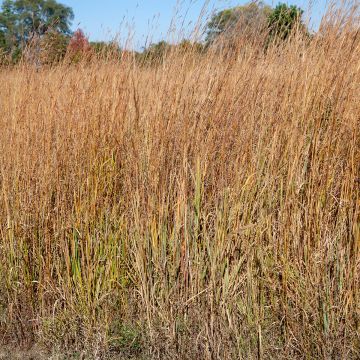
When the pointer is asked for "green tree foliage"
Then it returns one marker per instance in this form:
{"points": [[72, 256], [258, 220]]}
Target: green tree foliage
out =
{"points": [[158, 50], [106, 50], [155, 53], [251, 17], [22, 20], [283, 20], [2, 40], [187, 45], [53, 47], [99, 46]]}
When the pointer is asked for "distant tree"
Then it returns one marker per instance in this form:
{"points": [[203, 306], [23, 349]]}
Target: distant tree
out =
{"points": [[159, 49], [3, 57], [99, 46], [23, 20], [53, 47], [187, 45], [156, 52], [79, 42], [251, 17], [9, 26], [106, 49], [2, 40], [283, 20], [79, 46]]}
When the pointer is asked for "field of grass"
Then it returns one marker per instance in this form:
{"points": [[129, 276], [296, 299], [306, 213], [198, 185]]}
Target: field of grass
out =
{"points": [[205, 207]]}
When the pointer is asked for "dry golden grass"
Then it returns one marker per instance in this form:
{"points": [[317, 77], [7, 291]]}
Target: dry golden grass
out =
{"points": [[207, 207]]}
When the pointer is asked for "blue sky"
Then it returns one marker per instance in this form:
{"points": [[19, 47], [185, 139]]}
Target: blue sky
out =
{"points": [[149, 20]]}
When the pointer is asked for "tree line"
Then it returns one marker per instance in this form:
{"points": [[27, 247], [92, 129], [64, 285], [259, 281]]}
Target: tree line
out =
{"points": [[40, 31]]}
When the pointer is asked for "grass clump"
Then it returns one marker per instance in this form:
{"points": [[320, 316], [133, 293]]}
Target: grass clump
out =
{"points": [[206, 206]]}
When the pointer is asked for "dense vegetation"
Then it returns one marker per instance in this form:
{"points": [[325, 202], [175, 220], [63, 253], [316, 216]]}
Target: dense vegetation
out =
{"points": [[203, 206], [23, 22], [38, 32]]}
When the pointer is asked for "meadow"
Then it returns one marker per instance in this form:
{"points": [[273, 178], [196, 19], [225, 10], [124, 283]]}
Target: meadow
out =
{"points": [[207, 206]]}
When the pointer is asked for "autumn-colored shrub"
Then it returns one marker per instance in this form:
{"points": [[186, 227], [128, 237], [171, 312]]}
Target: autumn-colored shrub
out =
{"points": [[79, 47]]}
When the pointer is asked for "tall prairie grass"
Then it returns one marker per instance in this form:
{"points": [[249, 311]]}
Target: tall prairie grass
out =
{"points": [[203, 207]]}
